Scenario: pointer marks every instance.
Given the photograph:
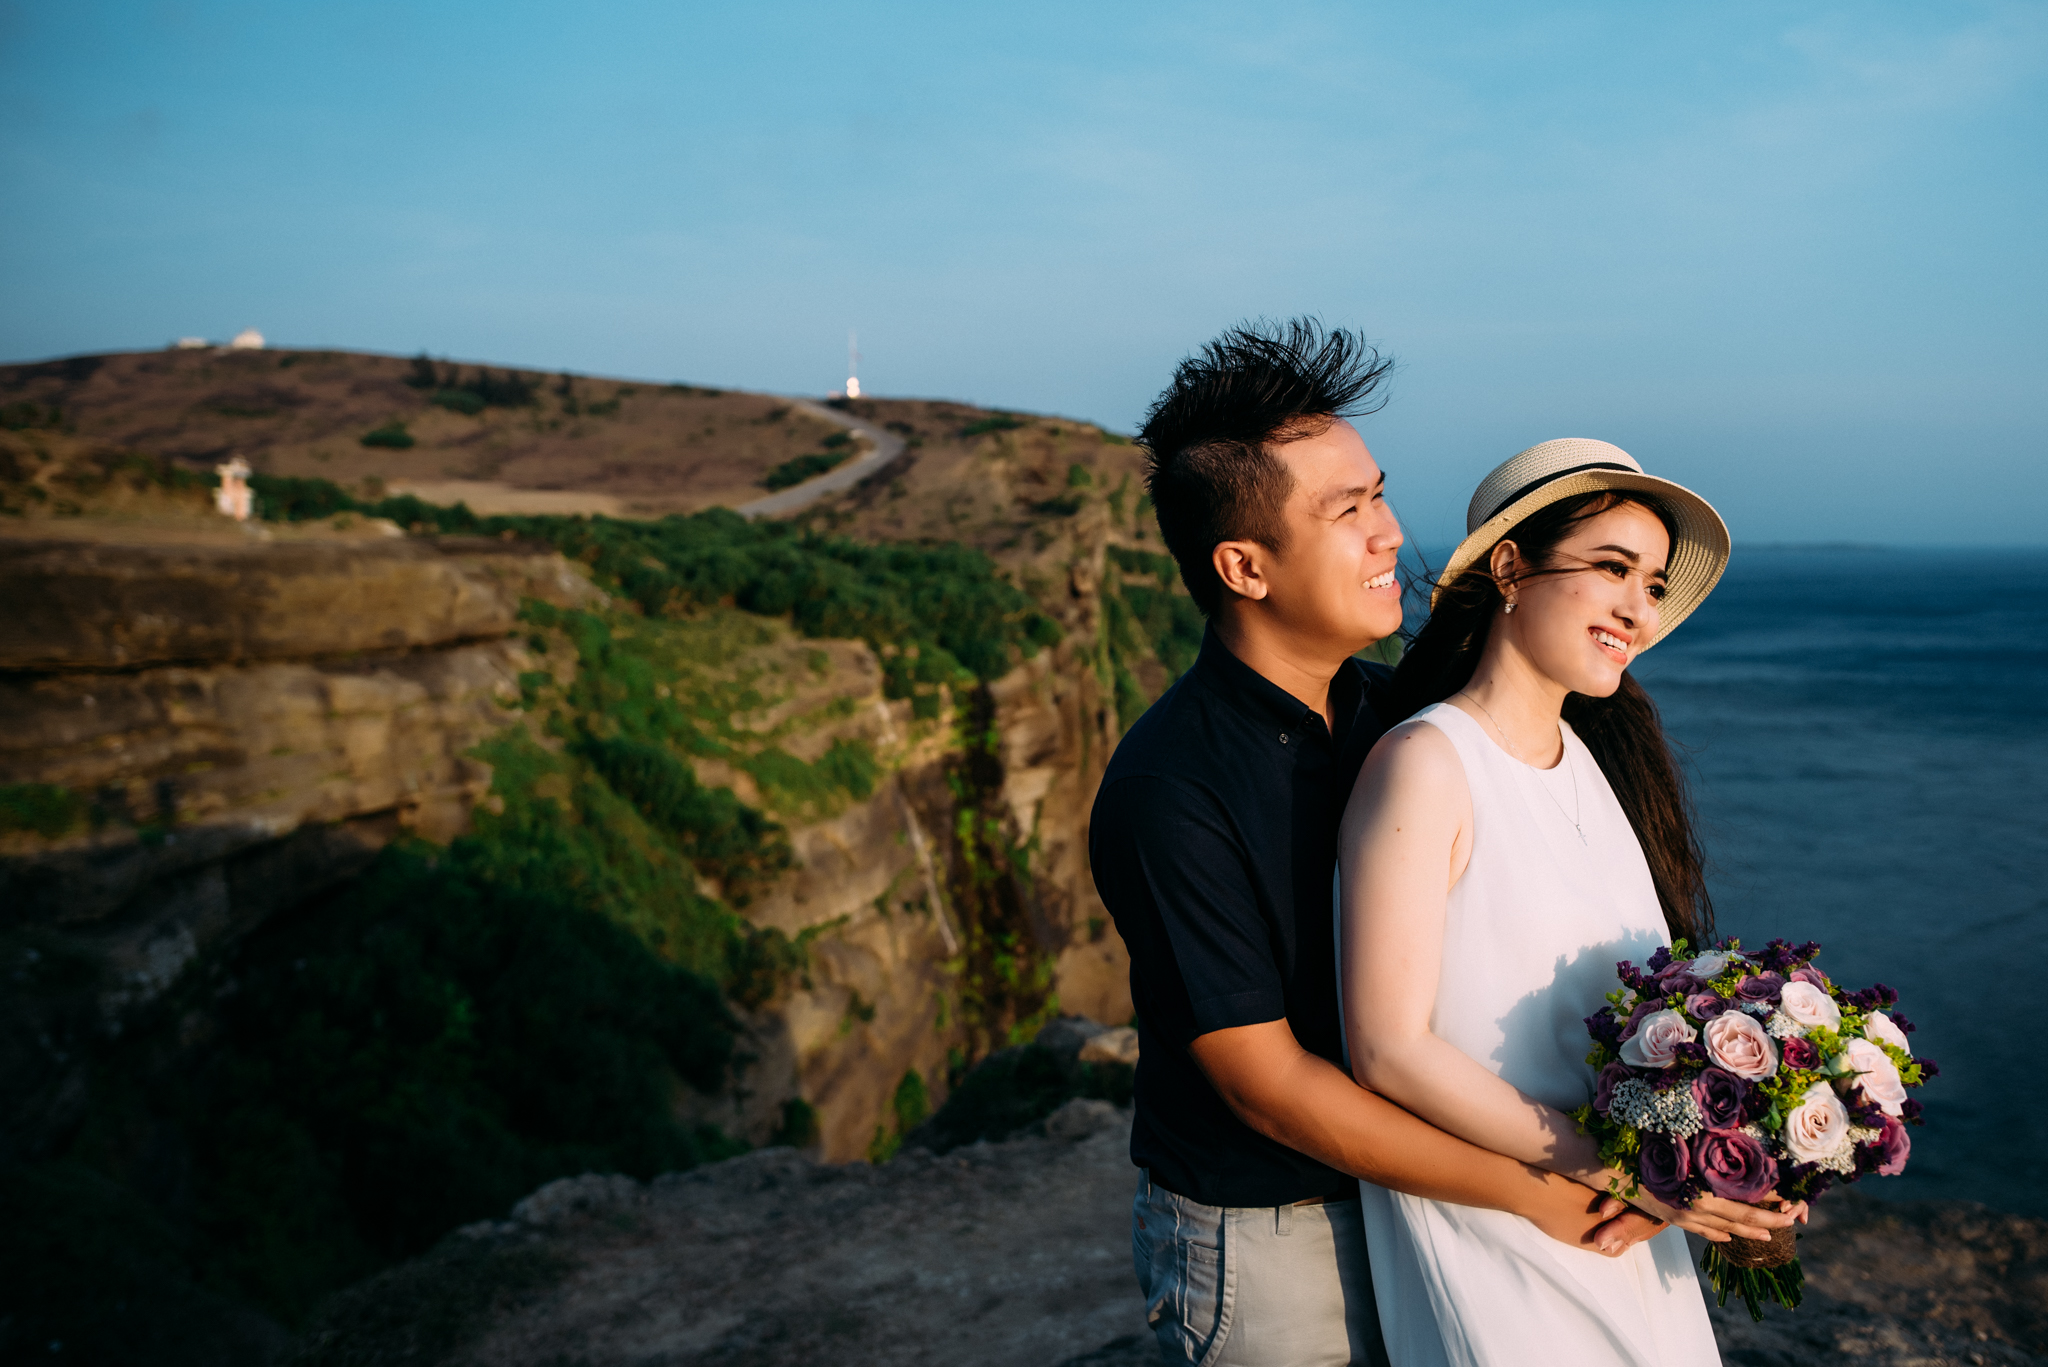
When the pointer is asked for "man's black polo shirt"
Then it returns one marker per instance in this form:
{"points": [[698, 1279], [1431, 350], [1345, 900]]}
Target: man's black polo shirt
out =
{"points": [[1214, 839]]}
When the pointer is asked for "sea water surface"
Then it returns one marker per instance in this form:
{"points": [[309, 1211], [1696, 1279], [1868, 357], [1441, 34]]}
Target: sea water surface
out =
{"points": [[1868, 734]]}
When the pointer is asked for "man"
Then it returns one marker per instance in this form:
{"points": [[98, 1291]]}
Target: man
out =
{"points": [[1213, 841]]}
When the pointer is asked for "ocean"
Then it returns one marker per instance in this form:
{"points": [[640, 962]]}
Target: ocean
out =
{"points": [[1868, 736]]}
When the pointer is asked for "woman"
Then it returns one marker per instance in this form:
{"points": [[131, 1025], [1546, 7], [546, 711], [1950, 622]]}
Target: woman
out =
{"points": [[1522, 831]]}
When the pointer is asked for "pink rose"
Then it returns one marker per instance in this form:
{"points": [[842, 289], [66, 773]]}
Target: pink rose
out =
{"points": [[1898, 1146], [1655, 1042], [1880, 1027], [1736, 1042], [1809, 1007], [1818, 1126], [1876, 1075]]}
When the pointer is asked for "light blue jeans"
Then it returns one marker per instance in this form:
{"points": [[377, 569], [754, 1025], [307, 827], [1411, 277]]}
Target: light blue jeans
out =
{"points": [[1255, 1286]]}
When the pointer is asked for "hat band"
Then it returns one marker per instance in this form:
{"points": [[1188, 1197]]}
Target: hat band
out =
{"points": [[1527, 489]]}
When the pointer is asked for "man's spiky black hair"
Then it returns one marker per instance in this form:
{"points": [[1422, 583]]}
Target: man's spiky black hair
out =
{"points": [[1210, 473]]}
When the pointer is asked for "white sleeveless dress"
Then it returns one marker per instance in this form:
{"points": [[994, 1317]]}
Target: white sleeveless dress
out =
{"points": [[1531, 935]]}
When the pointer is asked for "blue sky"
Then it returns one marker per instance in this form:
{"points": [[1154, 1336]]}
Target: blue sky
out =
{"points": [[1789, 254]]}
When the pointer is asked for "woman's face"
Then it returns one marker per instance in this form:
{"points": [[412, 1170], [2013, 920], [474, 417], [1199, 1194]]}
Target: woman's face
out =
{"points": [[1583, 621]]}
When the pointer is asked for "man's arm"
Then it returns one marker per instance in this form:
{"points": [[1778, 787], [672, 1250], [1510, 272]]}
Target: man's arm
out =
{"points": [[1295, 1098]]}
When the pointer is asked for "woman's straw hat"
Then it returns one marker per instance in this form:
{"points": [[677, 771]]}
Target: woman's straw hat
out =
{"points": [[1569, 466]]}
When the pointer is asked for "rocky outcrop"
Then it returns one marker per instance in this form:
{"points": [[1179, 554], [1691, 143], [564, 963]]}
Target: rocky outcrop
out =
{"points": [[236, 724], [1019, 1253]]}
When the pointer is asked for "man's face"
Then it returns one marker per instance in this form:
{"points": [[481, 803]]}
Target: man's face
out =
{"points": [[1334, 580]]}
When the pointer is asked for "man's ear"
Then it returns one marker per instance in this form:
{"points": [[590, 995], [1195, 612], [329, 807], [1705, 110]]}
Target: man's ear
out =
{"points": [[1241, 565]]}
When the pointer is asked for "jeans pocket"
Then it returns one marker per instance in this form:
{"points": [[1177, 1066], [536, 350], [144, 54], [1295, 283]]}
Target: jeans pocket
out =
{"points": [[1199, 1298]]}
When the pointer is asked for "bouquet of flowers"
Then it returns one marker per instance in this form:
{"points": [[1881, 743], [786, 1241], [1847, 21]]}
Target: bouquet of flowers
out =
{"points": [[1749, 1076]]}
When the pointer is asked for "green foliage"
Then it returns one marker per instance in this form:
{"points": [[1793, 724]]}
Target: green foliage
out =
{"points": [[723, 837], [287, 498], [448, 1035], [42, 808], [449, 389], [1015, 1088], [837, 440], [909, 1106], [23, 415], [392, 434], [460, 400], [1001, 422], [1065, 505], [945, 600], [847, 770], [801, 468], [1005, 973], [1140, 621], [1079, 477], [799, 1127], [1387, 651]]}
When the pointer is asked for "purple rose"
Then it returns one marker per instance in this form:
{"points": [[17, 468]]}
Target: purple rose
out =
{"points": [[1644, 1010], [1678, 980], [1799, 1053], [1896, 1146], [1665, 1167], [1704, 1006], [1764, 987], [1812, 975], [1612, 1076], [1723, 1098], [1734, 1165]]}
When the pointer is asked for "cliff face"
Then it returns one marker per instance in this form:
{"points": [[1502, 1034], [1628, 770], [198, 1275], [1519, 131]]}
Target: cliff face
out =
{"points": [[231, 723], [220, 727]]}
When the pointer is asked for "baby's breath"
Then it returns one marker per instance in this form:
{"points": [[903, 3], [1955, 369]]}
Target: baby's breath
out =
{"points": [[1637, 1103]]}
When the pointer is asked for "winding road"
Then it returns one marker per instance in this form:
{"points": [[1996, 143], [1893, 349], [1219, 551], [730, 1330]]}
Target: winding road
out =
{"points": [[886, 447]]}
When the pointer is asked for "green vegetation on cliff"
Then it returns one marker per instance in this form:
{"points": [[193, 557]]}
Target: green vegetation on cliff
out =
{"points": [[936, 614]]}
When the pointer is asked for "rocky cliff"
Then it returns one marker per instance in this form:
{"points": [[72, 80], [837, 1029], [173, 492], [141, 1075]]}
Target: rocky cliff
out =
{"points": [[1019, 1253], [873, 846]]}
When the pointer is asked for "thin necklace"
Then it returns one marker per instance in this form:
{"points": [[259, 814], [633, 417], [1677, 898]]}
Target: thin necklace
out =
{"points": [[1571, 816]]}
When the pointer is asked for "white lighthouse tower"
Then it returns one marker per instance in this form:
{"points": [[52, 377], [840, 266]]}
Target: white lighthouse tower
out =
{"points": [[852, 365]]}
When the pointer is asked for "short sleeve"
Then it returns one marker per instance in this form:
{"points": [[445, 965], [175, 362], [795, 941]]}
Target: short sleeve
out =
{"points": [[1170, 866]]}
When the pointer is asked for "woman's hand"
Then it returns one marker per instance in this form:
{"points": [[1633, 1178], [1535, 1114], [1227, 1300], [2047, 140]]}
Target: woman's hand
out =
{"points": [[1718, 1219]]}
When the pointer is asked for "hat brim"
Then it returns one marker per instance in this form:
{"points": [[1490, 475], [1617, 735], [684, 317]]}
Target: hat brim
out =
{"points": [[1699, 550]]}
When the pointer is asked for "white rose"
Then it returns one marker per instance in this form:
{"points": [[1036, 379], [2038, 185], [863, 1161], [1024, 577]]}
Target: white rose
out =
{"points": [[1880, 1027], [1876, 1075], [1709, 965], [1656, 1040], [1817, 1126], [1809, 1006]]}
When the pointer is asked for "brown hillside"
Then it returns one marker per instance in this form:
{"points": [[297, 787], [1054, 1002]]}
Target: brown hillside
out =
{"points": [[640, 449]]}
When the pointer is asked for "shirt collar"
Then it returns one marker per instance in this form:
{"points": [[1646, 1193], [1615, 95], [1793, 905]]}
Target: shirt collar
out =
{"points": [[1271, 705]]}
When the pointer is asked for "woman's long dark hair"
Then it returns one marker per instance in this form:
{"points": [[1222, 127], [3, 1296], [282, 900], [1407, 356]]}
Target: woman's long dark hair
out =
{"points": [[1623, 732]]}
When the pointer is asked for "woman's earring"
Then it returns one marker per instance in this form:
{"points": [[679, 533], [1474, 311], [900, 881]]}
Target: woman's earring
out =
{"points": [[1510, 608]]}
